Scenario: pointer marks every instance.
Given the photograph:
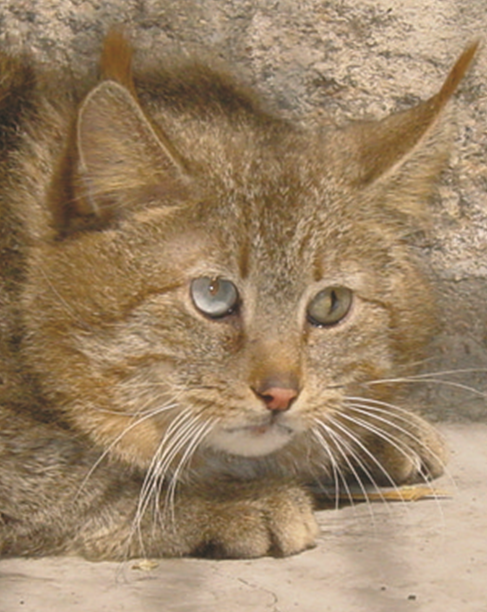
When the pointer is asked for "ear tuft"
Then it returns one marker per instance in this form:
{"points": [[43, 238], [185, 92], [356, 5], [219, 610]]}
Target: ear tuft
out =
{"points": [[456, 75], [116, 59]]}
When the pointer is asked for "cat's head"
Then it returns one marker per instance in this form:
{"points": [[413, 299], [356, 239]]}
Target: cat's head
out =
{"points": [[220, 277]]}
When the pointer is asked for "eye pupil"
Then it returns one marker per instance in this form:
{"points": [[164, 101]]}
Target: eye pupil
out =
{"points": [[214, 287], [334, 300], [214, 297], [329, 306]]}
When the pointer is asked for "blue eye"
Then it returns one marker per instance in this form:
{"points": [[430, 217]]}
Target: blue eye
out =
{"points": [[329, 306], [214, 297]]}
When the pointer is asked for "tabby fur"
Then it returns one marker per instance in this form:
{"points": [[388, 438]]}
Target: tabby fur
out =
{"points": [[131, 422]]}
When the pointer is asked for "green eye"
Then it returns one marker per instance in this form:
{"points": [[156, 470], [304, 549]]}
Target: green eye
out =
{"points": [[214, 297], [329, 306]]}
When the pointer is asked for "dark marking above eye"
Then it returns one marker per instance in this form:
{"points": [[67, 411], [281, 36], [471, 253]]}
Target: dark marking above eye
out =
{"points": [[214, 297], [329, 306]]}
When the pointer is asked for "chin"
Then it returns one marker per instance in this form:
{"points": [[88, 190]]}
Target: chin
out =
{"points": [[255, 441]]}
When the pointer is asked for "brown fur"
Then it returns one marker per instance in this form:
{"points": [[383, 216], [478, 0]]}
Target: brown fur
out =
{"points": [[120, 400]]}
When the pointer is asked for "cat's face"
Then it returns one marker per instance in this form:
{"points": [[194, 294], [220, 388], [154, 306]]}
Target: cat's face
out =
{"points": [[274, 276], [246, 279]]}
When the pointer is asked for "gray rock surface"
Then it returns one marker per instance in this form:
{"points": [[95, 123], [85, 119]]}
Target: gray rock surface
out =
{"points": [[320, 60]]}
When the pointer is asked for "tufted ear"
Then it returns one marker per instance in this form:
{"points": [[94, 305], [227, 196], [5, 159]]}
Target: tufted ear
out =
{"points": [[120, 161], [405, 152]]}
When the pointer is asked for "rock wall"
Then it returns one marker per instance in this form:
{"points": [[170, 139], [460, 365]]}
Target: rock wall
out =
{"points": [[319, 59]]}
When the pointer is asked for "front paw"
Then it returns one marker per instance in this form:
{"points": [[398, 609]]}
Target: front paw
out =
{"points": [[247, 520]]}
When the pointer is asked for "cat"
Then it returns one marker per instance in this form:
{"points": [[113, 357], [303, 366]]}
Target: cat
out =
{"points": [[202, 308]]}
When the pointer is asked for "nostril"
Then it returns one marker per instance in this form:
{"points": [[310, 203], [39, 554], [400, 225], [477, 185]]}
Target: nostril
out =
{"points": [[278, 399]]}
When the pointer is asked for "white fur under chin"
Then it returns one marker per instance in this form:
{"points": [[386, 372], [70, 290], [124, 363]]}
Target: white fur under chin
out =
{"points": [[250, 441]]}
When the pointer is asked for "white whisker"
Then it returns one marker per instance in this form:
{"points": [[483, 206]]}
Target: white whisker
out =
{"points": [[165, 467], [337, 472], [185, 459], [426, 379], [157, 469], [370, 411], [117, 439], [371, 456], [390, 407], [341, 444], [448, 372], [183, 437], [403, 450]]}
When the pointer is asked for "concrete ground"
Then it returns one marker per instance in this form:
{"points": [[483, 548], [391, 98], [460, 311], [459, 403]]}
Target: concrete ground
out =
{"points": [[429, 555]]}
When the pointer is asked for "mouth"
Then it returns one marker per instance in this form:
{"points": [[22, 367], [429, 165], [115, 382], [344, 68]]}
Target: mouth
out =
{"points": [[252, 440], [261, 430]]}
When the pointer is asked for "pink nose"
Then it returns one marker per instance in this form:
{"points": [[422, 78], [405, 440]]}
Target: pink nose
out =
{"points": [[277, 399]]}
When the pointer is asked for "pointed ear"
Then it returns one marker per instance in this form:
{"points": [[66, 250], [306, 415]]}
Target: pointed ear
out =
{"points": [[120, 156], [405, 152]]}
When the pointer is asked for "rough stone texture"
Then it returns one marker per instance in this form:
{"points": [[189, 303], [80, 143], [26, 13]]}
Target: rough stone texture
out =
{"points": [[320, 60]]}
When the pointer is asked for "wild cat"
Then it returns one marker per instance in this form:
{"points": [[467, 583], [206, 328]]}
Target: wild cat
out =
{"points": [[197, 297]]}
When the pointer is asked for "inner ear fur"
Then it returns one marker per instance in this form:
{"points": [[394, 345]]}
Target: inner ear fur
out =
{"points": [[404, 153], [119, 153]]}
